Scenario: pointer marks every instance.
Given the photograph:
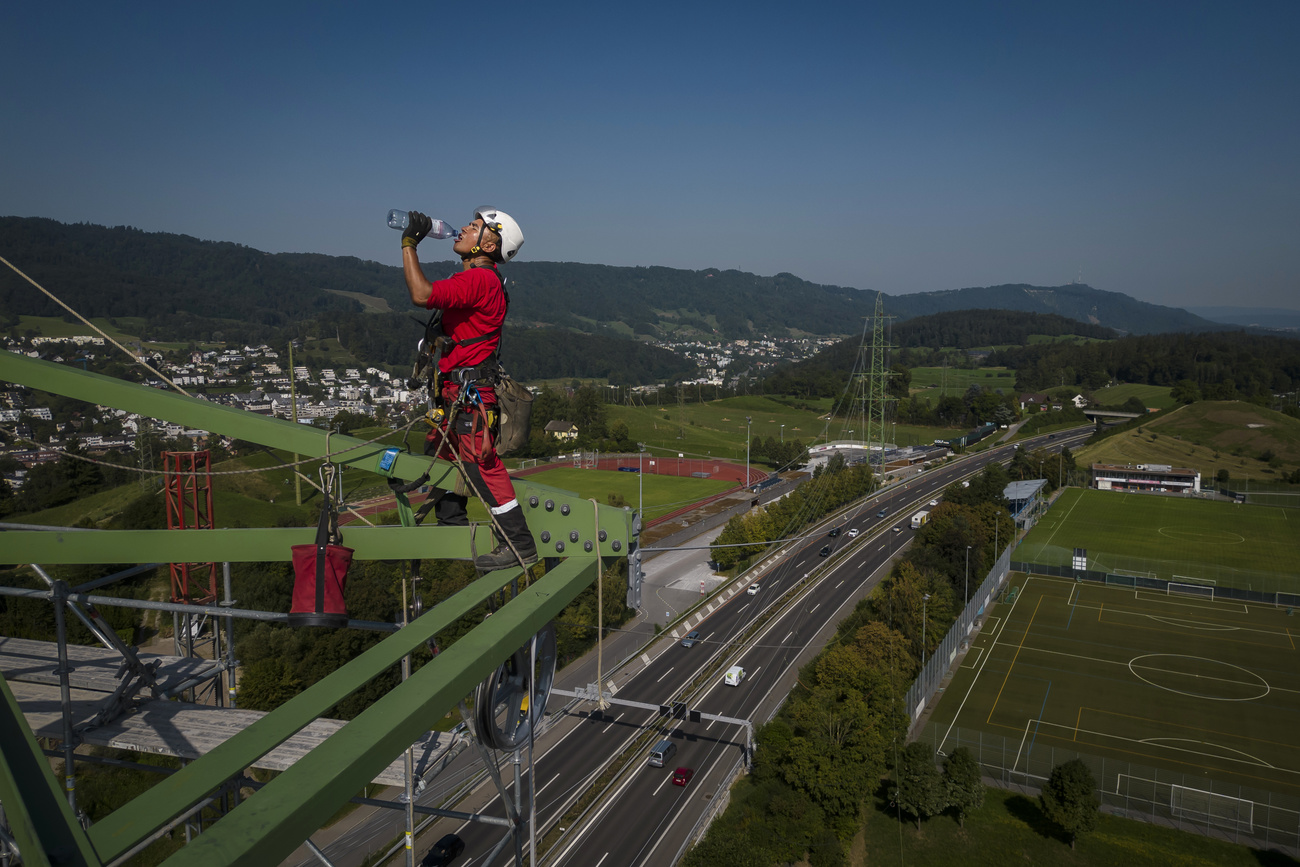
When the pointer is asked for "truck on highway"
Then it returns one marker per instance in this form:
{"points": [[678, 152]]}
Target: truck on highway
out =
{"points": [[920, 518]]}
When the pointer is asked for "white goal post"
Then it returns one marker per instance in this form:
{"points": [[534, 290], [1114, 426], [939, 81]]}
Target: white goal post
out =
{"points": [[1211, 808], [1202, 590]]}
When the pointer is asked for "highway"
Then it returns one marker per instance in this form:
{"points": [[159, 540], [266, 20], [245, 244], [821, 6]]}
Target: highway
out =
{"points": [[646, 819]]}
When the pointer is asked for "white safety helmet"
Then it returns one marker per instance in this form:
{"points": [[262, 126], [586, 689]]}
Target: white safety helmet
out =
{"points": [[512, 237]]}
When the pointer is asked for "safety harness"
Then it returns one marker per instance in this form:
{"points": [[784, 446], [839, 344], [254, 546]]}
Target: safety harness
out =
{"points": [[470, 416]]}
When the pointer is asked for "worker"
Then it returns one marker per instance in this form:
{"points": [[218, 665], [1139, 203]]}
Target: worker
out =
{"points": [[473, 303]]}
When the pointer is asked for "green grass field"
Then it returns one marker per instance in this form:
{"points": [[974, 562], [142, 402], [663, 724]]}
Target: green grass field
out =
{"points": [[1253, 547], [1250, 442], [932, 383], [717, 428], [1156, 396], [1205, 691], [663, 494]]}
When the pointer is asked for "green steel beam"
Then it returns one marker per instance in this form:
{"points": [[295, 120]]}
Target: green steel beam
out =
{"points": [[195, 413], [118, 832], [266, 828], [38, 813], [271, 824], [309, 442], [255, 545]]}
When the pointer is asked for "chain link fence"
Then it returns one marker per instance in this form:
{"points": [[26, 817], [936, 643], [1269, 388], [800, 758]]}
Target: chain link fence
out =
{"points": [[936, 666], [1187, 802], [1056, 560]]}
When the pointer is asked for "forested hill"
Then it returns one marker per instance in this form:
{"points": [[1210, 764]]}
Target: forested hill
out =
{"points": [[971, 329], [924, 340], [1074, 301], [183, 285], [1225, 365]]}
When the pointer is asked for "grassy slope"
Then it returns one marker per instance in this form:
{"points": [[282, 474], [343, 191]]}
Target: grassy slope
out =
{"points": [[1207, 436]]}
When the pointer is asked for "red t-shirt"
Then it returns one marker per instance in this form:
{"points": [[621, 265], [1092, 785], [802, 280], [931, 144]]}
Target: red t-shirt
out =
{"points": [[473, 303]]}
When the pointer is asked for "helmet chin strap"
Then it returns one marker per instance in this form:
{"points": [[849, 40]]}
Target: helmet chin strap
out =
{"points": [[477, 250]]}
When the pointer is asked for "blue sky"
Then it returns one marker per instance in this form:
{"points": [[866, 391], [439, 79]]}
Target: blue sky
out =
{"points": [[1151, 147]]}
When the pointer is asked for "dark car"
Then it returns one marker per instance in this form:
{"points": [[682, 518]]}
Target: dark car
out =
{"points": [[826, 550], [691, 637], [682, 776], [444, 852], [835, 531], [882, 513]]}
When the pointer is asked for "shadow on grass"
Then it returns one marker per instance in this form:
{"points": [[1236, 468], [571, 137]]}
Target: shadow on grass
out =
{"points": [[1027, 810]]}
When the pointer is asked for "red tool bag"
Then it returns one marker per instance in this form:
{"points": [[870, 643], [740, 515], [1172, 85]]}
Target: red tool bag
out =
{"points": [[320, 575]]}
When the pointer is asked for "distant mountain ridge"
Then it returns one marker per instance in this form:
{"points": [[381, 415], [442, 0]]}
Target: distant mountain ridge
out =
{"points": [[179, 282], [1272, 318]]}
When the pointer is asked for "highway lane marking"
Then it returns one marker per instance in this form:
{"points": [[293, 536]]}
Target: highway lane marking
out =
{"points": [[667, 777], [755, 672], [841, 584], [665, 674], [787, 637], [675, 635], [602, 859], [605, 729], [551, 780], [814, 608], [645, 659]]}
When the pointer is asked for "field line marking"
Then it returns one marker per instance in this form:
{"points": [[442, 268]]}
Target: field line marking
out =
{"points": [[1078, 721], [1064, 519], [1039, 722], [1287, 630], [979, 666], [1028, 626], [1021, 748]]}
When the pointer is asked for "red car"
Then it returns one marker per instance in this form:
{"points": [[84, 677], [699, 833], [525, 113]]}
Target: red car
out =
{"points": [[682, 776]]}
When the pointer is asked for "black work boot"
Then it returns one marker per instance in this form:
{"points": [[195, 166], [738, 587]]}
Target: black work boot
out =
{"points": [[515, 528]]}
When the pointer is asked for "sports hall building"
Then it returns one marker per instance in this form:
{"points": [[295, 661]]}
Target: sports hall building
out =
{"points": [[1157, 478]]}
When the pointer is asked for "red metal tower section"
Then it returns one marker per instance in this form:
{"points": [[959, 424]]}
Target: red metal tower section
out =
{"points": [[189, 507]]}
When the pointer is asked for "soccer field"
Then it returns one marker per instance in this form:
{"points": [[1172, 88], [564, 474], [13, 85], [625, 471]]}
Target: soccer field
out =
{"points": [[1171, 538], [1179, 696]]}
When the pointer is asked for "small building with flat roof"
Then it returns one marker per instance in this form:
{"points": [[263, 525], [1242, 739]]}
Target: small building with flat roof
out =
{"points": [[1025, 499], [1157, 478]]}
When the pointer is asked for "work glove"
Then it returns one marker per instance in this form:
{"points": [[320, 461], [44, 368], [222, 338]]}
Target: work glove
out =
{"points": [[417, 226]]}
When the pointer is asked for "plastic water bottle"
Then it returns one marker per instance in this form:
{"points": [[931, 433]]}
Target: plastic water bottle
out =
{"points": [[401, 219]]}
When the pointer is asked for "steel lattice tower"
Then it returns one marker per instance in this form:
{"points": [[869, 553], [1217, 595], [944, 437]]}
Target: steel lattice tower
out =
{"points": [[871, 397]]}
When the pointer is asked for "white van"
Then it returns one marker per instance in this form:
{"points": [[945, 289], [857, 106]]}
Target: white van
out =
{"points": [[734, 676], [661, 753]]}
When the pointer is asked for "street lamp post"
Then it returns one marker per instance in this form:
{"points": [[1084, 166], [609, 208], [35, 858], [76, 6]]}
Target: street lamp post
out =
{"points": [[782, 433], [924, 653], [748, 421], [640, 482]]}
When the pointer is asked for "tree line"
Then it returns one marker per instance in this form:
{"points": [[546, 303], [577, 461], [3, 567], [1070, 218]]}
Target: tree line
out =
{"points": [[843, 726], [1227, 365]]}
